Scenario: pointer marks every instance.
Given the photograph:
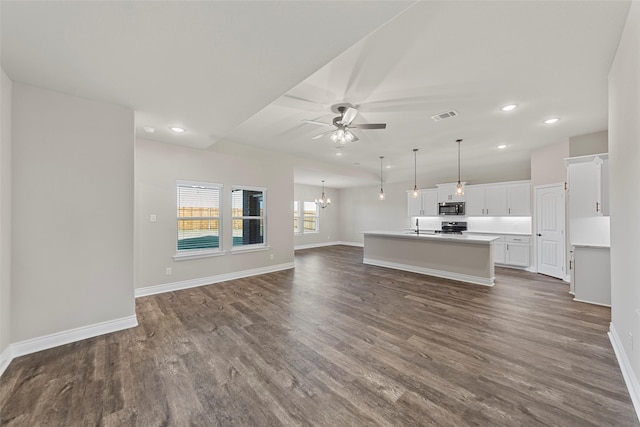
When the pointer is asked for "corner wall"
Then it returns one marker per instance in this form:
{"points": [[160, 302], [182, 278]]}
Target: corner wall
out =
{"points": [[329, 223], [5, 219], [360, 210], [158, 166], [624, 158], [72, 222]]}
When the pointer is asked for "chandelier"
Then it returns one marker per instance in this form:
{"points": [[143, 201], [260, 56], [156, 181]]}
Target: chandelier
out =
{"points": [[323, 201]]}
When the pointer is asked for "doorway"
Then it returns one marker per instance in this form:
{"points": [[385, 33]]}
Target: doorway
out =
{"points": [[550, 230]]}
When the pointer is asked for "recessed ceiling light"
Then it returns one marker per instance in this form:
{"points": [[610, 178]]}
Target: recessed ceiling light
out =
{"points": [[551, 120], [339, 153], [177, 129], [149, 129], [388, 166], [509, 107], [502, 146]]}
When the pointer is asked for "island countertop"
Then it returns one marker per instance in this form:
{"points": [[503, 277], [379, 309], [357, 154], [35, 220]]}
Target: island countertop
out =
{"points": [[466, 238]]}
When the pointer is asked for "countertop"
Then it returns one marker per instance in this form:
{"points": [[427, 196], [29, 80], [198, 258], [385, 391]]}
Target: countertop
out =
{"points": [[497, 233], [591, 245], [500, 233], [433, 236]]}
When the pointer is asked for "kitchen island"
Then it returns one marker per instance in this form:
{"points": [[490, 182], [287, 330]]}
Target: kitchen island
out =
{"points": [[466, 258]]}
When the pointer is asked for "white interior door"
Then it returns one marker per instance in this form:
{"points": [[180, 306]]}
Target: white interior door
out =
{"points": [[550, 229]]}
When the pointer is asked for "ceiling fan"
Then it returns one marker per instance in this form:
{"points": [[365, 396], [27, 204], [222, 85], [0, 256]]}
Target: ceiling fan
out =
{"points": [[342, 124]]}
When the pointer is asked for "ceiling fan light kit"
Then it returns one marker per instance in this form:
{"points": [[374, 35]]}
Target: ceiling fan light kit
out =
{"points": [[343, 123]]}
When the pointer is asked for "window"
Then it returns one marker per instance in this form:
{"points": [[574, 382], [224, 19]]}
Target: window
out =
{"points": [[198, 217], [296, 217], [247, 212], [311, 217]]}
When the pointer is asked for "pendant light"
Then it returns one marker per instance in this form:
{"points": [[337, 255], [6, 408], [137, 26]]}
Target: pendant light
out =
{"points": [[323, 201], [415, 175], [459, 187], [381, 194]]}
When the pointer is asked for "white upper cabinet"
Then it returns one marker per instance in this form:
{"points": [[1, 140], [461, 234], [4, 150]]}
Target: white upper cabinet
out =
{"points": [[447, 193], [519, 199], [426, 204], [588, 178], [504, 199]]}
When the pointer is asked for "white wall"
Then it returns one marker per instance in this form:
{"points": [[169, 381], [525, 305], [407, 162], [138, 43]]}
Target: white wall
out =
{"points": [[547, 164], [361, 210], [329, 223], [624, 157], [591, 143], [5, 213], [72, 187], [159, 165]]}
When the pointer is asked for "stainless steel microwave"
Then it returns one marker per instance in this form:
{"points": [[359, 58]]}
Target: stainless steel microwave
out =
{"points": [[451, 208]]}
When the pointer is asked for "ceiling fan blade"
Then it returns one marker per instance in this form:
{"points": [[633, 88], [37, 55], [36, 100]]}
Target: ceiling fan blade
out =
{"points": [[355, 138], [348, 116], [322, 134], [313, 122], [370, 126]]}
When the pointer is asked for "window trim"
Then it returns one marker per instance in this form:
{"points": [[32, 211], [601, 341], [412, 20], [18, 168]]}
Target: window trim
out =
{"points": [[255, 246], [316, 216], [185, 254], [296, 218]]}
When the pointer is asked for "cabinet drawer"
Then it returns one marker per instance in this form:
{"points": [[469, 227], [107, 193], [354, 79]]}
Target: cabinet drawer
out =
{"points": [[518, 239]]}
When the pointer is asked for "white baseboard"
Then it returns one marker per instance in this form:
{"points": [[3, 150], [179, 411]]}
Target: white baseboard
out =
{"points": [[5, 358], [627, 371], [359, 245], [315, 245], [476, 280], [193, 283], [34, 345], [590, 302]]}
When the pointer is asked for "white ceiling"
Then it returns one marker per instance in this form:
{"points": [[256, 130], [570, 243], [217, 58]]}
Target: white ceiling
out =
{"points": [[249, 72]]}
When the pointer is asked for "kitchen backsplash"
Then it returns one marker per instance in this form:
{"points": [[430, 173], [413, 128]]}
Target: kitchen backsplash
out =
{"points": [[481, 224]]}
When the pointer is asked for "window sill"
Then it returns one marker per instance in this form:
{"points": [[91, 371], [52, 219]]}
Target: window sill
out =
{"points": [[197, 254], [241, 249]]}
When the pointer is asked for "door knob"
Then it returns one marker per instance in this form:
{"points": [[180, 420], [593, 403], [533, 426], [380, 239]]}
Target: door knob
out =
{"points": [[539, 235]]}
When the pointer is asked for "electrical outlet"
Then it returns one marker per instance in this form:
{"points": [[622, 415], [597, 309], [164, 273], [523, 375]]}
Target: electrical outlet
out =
{"points": [[153, 218], [631, 341], [270, 256], [168, 271]]}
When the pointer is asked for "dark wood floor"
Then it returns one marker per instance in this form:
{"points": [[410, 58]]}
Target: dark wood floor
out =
{"points": [[336, 343]]}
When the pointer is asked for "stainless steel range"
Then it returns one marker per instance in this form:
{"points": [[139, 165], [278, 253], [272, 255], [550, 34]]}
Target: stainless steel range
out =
{"points": [[453, 227]]}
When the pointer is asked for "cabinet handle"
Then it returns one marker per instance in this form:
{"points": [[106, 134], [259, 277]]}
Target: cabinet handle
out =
{"points": [[570, 265], [507, 246], [509, 211], [597, 207]]}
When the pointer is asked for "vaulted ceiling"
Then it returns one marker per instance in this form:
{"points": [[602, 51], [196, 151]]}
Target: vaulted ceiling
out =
{"points": [[242, 72]]}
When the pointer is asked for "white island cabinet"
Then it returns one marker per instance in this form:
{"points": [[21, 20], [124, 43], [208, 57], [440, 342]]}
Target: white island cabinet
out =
{"points": [[459, 257]]}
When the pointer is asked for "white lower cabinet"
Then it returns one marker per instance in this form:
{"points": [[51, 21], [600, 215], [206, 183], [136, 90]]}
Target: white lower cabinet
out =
{"points": [[499, 251], [512, 250], [518, 251], [591, 279]]}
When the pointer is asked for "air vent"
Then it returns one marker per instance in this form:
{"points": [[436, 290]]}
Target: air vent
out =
{"points": [[445, 115]]}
